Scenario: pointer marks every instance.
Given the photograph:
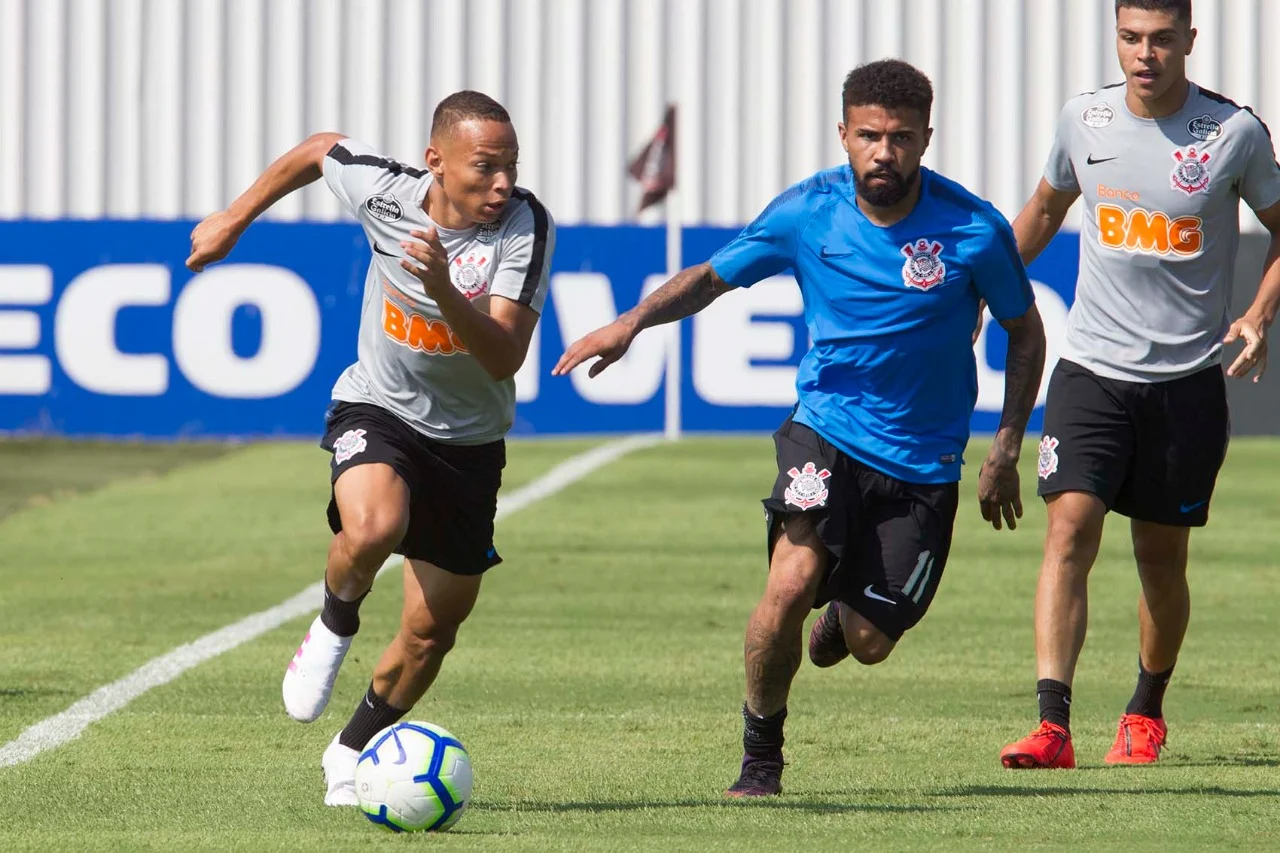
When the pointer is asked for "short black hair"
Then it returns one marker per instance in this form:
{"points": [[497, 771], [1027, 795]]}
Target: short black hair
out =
{"points": [[889, 83], [1181, 9], [466, 105]]}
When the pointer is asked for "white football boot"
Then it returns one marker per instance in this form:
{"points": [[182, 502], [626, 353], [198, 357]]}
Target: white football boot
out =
{"points": [[339, 763], [308, 682]]}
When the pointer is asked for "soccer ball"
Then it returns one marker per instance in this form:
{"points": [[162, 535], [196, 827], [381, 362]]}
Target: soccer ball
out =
{"points": [[413, 777]]}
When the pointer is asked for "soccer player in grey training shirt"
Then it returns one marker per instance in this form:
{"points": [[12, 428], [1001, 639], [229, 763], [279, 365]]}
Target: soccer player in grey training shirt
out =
{"points": [[1136, 419], [451, 298]]}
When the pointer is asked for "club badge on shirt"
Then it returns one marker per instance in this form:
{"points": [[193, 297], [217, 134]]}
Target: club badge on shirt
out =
{"points": [[1190, 172], [470, 274], [924, 267]]}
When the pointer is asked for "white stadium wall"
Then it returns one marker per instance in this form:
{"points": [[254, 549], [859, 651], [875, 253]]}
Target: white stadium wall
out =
{"points": [[165, 109]]}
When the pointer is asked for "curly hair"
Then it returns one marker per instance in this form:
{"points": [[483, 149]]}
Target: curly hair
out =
{"points": [[1181, 9], [465, 105], [889, 83]]}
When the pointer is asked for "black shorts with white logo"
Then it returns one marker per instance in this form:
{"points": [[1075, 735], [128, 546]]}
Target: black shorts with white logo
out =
{"points": [[1149, 450], [453, 488], [887, 539]]}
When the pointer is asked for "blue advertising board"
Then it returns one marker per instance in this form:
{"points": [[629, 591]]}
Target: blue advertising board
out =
{"points": [[104, 332]]}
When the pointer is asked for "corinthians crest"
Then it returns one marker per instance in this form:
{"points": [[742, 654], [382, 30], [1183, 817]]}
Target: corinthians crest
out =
{"points": [[923, 267], [1047, 465], [1190, 174], [470, 275], [808, 486]]}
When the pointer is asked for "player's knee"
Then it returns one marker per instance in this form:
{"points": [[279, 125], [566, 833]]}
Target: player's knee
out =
{"points": [[1075, 529], [793, 580], [433, 640], [373, 533], [872, 654], [1160, 556], [867, 644]]}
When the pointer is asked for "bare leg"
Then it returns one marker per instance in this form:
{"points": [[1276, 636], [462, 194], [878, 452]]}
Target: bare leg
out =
{"points": [[374, 504], [436, 603], [1164, 607], [1062, 597], [773, 643]]}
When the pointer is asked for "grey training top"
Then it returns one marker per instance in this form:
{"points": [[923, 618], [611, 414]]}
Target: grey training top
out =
{"points": [[1161, 227], [409, 361]]}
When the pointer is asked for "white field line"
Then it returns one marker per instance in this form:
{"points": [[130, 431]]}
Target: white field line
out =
{"points": [[54, 731]]}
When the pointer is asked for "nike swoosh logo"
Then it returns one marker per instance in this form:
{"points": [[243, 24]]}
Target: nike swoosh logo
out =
{"points": [[491, 553], [378, 249], [835, 253], [869, 594], [1194, 506], [1093, 162]]}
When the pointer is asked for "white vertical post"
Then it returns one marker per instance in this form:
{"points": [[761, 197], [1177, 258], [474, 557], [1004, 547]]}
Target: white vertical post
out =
{"points": [[671, 422]]}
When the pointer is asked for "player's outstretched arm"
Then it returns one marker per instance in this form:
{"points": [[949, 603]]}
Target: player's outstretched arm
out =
{"points": [[216, 234], [999, 492], [687, 293], [1041, 218], [1252, 327]]}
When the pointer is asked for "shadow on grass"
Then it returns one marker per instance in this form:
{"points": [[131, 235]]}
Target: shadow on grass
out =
{"points": [[1209, 791], [1226, 761], [26, 692], [783, 803]]}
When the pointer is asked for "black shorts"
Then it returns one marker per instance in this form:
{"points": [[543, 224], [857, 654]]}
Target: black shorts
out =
{"points": [[453, 488], [887, 539], [1149, 450]]}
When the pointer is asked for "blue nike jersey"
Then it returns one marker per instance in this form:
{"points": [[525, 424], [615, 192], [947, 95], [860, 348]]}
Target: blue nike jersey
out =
{"points": [[891, 377]]}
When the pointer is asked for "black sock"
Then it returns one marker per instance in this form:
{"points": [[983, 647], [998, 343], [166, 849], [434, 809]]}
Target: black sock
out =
{"points": [[340, 617], [1148, 697], [762, 736], [1055, 702], [372, 715]]}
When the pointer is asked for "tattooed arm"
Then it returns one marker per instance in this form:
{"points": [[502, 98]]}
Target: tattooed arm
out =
{"points": [[687, 293], [998, 488]]}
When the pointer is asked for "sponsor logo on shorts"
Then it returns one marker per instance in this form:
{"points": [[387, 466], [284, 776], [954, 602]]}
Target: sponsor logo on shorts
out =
{"points": [[410, 329], [875, 596], [1190, 170], [1098, 115], [1205, 127], [384, 206], [923, 267], [1047, 465], [808, 486], [1148, 232], [349, 444]]}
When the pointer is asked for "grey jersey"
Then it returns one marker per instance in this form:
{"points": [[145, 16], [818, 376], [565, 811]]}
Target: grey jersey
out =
{"points": [[1161, 226], [409, 361]]}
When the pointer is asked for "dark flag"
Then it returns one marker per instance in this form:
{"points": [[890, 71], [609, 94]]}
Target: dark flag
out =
{"points": [[655, 166]]}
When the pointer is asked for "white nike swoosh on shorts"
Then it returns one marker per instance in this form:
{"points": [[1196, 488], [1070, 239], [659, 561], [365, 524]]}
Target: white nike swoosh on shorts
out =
{"points": [[869, 594]]}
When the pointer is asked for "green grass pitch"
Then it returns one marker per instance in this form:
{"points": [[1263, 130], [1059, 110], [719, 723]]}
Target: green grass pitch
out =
{"points": [[597, 684]]}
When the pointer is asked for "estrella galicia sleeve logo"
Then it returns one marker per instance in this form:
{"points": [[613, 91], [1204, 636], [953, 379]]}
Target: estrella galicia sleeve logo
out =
{"points": [[384, 206]]}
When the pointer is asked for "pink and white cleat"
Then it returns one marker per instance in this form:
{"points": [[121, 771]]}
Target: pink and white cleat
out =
{"points": [[308, 682]]}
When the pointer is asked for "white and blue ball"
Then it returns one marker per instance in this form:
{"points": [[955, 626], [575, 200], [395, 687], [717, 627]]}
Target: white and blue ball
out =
{"points": [[414, 777]]}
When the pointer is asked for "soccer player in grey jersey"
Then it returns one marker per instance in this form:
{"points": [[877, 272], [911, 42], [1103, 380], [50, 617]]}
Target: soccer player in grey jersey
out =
{"points": [[453, 292], [1136, 419]]}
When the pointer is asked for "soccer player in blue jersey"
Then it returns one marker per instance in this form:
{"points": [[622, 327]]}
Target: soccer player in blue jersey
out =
{"points": [[892, 260]]}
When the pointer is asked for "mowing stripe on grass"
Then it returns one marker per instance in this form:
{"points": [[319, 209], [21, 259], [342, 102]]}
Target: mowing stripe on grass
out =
{"points": [[54, 731]]}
